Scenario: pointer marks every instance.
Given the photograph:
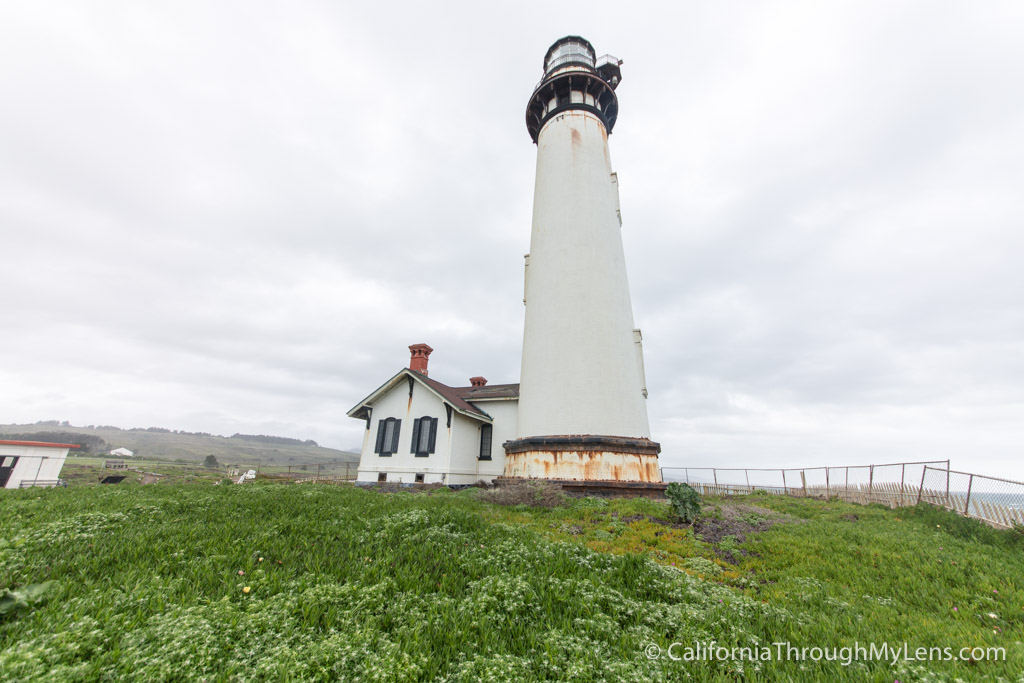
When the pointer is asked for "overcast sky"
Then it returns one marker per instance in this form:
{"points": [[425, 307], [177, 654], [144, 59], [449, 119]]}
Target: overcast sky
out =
{"points": [[235, 217]]}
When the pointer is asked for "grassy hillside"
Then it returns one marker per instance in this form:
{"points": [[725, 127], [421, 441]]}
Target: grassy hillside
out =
{"points": [[191, 447], [306, 582]]}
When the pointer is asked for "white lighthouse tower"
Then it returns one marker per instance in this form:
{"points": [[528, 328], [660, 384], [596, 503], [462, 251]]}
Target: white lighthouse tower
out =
{"points": [[582, 401]]}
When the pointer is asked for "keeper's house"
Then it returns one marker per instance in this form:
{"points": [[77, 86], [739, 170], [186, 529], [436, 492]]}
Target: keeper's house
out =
{"points": [[31, 463], [419, 430]]}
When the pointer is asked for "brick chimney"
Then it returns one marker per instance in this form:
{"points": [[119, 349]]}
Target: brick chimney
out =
{"points": [[420, 356], [477, 381]]}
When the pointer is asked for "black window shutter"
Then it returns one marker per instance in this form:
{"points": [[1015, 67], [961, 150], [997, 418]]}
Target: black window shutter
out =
{"points": [[380, 437], [433, 434], [415, 436], [394, 443]]}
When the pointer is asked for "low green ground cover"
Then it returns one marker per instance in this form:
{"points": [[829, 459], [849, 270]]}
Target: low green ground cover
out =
{"points": [[303, 582]]}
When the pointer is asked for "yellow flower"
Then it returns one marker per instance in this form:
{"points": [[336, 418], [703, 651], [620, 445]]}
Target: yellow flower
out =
{"points": [[246, 590]]}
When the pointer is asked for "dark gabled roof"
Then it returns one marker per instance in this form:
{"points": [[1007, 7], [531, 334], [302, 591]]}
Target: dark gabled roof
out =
{"points": [[452, 395], [493, 391], [458, 397]]}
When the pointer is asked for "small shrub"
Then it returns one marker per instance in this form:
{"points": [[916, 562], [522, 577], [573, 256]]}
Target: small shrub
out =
{"points": [[729, 542], [685, 501], [14, 603], [702, 565]]}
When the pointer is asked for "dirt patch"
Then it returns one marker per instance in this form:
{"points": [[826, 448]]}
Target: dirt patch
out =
{"points": [[852, 517], [533, 494], [655, 520], [717, 522], [728, 555]]}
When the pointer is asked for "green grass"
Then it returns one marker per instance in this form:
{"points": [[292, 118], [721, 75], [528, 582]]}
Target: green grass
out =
{"points": [[359, 585], [79, 470]]}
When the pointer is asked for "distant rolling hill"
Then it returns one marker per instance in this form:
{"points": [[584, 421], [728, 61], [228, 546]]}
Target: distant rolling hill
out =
{"points": [[168, 445]]}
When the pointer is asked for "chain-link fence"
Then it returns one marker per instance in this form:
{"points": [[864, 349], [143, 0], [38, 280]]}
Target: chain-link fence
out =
{"points": [[1000, 502]]}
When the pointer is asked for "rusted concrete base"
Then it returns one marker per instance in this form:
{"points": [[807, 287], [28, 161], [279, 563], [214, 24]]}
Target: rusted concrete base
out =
{"points": [[602, 489], [583, 458]]}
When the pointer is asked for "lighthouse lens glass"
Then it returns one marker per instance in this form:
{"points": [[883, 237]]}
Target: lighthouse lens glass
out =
{"points": [[567, 53]]}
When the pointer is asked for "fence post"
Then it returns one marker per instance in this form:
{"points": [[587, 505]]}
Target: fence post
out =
{"points": [[947, 485], [747, 474], [871, 480], [686, 473], [318, 471], [785, 488], [920, 489], [828, 489], [847, 486], [714, 473], [903, 476], [803, 482], [967, 503], [661, 472]]}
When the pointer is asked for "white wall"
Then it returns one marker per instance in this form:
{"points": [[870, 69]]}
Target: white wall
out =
{"points": [[504, 413], [41, 463], [467, 467], [455, 459], [465, 451], [580, 373], [403, 465]]}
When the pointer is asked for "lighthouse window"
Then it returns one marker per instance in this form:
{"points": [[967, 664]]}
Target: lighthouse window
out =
{"points": [[424, 436], [485, 441], [570, 52], [387, 436]]}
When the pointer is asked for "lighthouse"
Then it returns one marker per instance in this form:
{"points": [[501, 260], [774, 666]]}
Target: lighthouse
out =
{"points": [[582, 397]]}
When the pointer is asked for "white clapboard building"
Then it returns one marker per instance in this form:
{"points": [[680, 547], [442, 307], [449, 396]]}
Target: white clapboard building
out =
{"points": [[31, 463], [419, 430]]}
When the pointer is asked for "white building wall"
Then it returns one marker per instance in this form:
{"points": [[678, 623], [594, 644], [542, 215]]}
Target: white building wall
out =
{"points": [[35, 463], [404, 465], [455, 459], [465, 463], [504, 413], [580, 373]]}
